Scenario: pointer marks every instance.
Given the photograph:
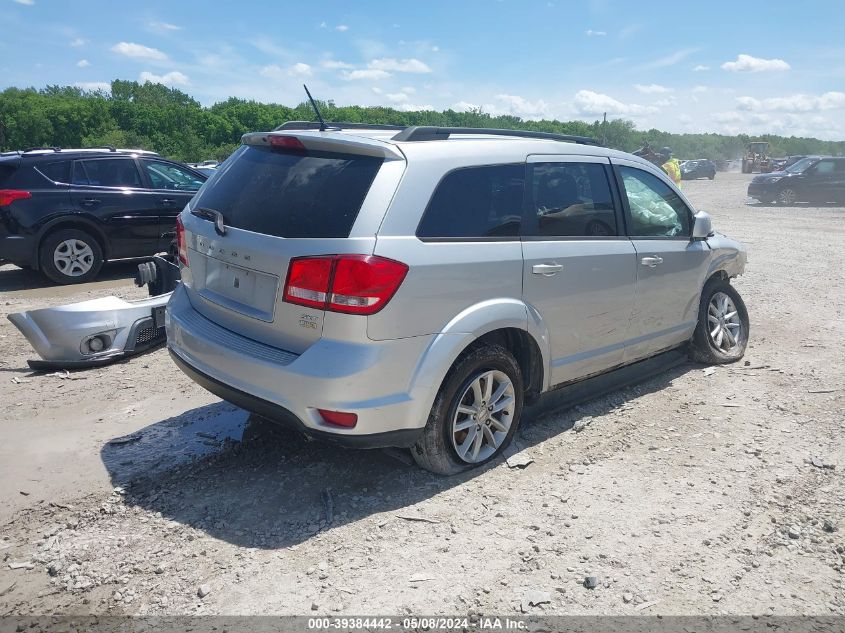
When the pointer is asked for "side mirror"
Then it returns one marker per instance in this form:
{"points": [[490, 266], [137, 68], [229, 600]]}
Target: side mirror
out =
{"points": [[703, 226]]}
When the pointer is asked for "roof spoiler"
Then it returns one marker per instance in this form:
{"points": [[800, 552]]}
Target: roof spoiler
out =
{"points": [[312, 139]]}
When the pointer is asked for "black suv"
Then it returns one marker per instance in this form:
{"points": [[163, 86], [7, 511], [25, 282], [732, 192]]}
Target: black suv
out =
{"points": [[66, 211], [812, 179]]}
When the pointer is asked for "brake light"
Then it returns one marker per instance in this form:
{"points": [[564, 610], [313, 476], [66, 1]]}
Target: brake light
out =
{"points": [[287, 142], [339, 418], [354, 284], [308, 281], [8, 196], [181, 244]]}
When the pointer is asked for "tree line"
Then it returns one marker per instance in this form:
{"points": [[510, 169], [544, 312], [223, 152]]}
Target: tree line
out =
{"points": [[171, 122]]}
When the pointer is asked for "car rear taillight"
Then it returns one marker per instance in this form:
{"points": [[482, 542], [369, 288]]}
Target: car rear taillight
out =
{"points": [[8, 196], [181, 244], [308, 281], [339, 418], [354, 284], [287, 142]]}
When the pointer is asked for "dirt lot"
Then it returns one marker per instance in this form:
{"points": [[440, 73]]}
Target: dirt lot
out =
{"points": [[695, 492]]}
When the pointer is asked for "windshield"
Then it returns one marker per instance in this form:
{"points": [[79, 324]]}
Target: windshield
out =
{"points": [[801, 165]]}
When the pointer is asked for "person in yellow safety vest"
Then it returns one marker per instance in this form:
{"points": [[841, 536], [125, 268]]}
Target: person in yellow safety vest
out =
{"points": [[671, 165]]}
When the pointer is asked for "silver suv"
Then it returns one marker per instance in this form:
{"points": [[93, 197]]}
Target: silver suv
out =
{"points": [[415, 287]]}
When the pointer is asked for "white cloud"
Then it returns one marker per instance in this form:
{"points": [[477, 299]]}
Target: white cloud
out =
{"points": [[277, 72], [28, 3], [794, 103], [652, 89], [76, 43], [341, 28], [700, 67], [592, 33], [669, 60], [174, 78], [138, 51], [435, 49], [747, 63], [699, 89], [464, 106], [83, 63], [592, 103], [411, 107], [412, 65], [519, 106], [105, 86], [369, 73], [727, 117], [397, 97], [333, 64], [164, 26], [300, 70]]}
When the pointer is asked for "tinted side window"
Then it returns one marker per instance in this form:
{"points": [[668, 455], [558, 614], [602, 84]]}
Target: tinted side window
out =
{"points": [[107, 172], [572, 200], [57, 172], [476, 202], [167, 176], [655, 209], [824, 167]]}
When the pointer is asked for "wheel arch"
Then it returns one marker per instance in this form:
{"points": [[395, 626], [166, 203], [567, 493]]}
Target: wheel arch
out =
{"points": [[508, 322], [71, 222]]}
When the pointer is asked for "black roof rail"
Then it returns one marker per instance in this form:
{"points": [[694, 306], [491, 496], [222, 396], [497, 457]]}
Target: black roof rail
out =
{"points": [[333, 125], [35, 149], [433, 133]]}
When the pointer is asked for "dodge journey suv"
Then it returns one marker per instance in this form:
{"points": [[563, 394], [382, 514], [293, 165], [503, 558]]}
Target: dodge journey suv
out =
{"points": [[415, 287]]}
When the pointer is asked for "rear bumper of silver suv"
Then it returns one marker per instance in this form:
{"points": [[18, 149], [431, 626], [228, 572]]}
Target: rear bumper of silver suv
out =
{"points": [[371, 379]]}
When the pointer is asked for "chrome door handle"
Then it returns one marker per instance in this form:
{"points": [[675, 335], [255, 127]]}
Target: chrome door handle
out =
{"points": [[547, 270], [651, 262]]}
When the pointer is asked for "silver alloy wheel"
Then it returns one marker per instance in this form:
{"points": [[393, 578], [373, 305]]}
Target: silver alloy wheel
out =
{"points": [[787, 196], [723, 324], [73, 258], [483, 417]]}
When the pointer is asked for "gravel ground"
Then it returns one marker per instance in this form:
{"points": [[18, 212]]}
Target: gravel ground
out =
{"points": [[698, 491]]}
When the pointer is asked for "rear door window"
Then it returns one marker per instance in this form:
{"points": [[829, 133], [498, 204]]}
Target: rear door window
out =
{"points": [[287, 194], [572, 200], [107, 172], [476, 202]]}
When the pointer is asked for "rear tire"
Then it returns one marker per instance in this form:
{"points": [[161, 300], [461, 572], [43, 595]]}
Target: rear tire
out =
{"points": [[70, 256], [787, 196], [456, 440], [721, 335]]}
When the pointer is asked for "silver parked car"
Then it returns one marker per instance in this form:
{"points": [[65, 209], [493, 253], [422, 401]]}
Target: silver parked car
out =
{"points": [[414, 287]]}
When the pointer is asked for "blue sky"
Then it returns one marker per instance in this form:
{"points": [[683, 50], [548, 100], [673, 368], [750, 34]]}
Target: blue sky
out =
{"points": [[681, 66]]}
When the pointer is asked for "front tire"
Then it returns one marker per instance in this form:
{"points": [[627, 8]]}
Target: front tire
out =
{"points": [[721, 335], [70, 256], [475, 414]]}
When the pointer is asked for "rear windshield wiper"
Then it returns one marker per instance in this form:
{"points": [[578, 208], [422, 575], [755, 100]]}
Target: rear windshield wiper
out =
{"points": [[212, 215]]}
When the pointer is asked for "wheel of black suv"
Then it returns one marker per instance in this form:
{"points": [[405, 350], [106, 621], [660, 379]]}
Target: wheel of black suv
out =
{"points": [[787, 196], [721, 335], [70, 256], [475, 414]]}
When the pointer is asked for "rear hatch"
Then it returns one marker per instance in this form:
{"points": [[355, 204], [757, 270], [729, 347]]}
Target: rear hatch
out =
{"points": [[278, 197]]}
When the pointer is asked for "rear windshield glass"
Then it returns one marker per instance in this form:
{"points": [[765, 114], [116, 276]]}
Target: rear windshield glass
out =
{"points": [[314, 194]]}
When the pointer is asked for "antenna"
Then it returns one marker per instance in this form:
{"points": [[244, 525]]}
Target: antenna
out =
{"points": [[316, 109]]}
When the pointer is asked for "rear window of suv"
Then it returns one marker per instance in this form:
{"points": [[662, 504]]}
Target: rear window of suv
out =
{"points": [[287, 194]]}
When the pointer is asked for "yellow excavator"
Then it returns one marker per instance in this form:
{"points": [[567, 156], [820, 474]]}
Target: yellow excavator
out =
{"points": [[756, 158]]}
